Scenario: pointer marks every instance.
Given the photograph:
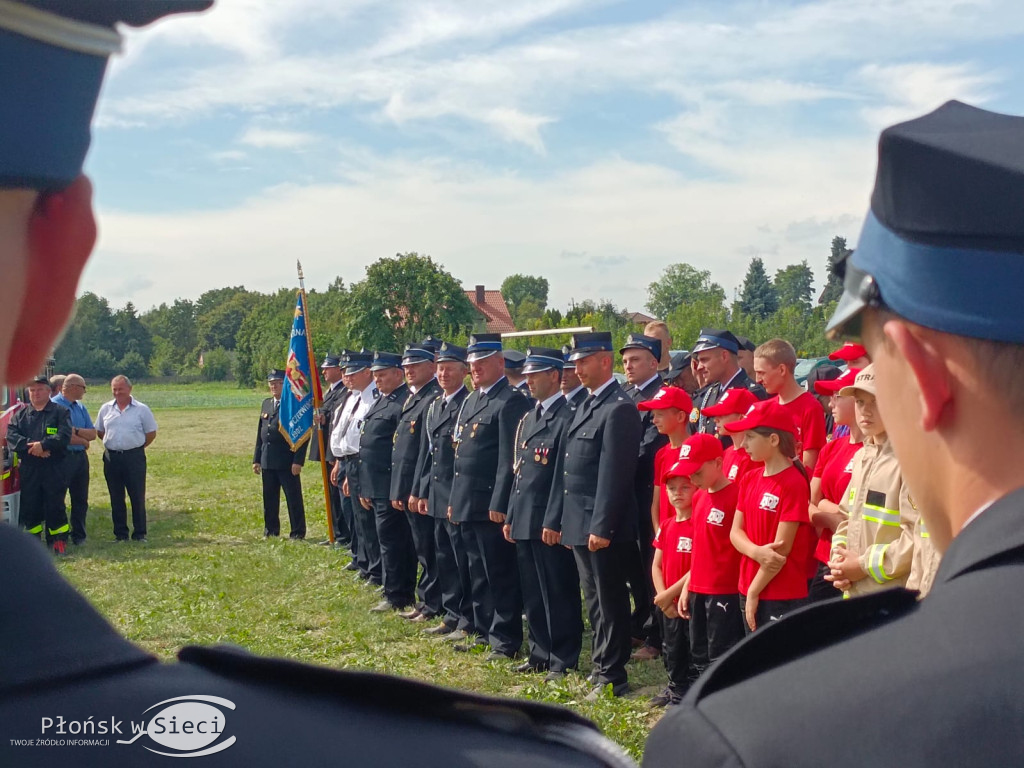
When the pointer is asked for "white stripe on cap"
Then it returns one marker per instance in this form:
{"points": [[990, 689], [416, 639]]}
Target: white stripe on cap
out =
{"points": [[59, 31]]}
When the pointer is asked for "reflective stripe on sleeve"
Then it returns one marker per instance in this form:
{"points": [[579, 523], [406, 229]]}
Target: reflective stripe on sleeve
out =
{"points": [[876, 560]]}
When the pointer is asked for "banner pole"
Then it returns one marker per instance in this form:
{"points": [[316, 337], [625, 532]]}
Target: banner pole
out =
{"points": [[317, 402]]}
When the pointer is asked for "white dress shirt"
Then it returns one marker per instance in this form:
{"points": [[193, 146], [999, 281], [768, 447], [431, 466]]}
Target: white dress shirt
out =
{"points": [[349, 420], [127, 429]]}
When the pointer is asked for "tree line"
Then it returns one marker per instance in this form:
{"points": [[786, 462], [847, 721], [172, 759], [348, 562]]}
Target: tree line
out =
{"points": [[235, 333]]}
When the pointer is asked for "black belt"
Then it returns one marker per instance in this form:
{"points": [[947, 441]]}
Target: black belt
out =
{"points": [[129, 450]]}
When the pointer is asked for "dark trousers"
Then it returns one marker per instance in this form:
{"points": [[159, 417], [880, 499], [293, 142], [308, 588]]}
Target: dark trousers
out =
{"points": [[42, 498], [497, 600], [342, 531], [551, 600], [368, 552], [125, 472], [397, 553], [644, 621], [76, 480], [471, 617], [428, 589], [769, 611], [603, 578], [819, 589], [447, 568], [675, 650], [275, 481], [716, 625], [348, 513]]}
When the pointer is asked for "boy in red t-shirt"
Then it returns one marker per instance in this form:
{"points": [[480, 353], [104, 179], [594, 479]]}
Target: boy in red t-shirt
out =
{"points": [[774, 364], [734, 403], [711, 600], [771, 529], [673, 547], [670, 411]]}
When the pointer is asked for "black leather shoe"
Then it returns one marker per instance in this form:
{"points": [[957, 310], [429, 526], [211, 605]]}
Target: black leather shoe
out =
{"points": [[618, 690], [382, 607], [499, 656], [529, 666], [554, 677], [351, 566]]}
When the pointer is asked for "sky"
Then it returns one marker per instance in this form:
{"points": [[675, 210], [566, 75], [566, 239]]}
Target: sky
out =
{"points": [[593, 142]]}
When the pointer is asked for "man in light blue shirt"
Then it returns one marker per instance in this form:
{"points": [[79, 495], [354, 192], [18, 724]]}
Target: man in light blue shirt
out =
{"points": [[76, 463]]}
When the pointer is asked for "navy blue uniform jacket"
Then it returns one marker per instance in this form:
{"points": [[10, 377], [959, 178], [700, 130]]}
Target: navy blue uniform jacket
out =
{"points": [[406, 452], [593, 493], [376, 439], [485, 431], [272, 450], [538, 443], [436, 467]]}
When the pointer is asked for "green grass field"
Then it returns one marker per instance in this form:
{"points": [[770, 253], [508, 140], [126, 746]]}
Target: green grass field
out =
{"points": [[207, 575]]}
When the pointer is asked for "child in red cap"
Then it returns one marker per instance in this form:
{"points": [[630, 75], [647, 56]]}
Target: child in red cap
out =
{"points": [[831, 478], [734, 403], [711, 600], [670, 412], [772, 529], [673, 547]]}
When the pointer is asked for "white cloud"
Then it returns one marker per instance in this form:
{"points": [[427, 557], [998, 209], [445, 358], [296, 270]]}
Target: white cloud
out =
{"points": [[276, 139]]}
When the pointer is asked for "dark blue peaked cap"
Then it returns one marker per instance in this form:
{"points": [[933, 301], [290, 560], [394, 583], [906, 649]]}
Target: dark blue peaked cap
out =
{"points": [[416, 353], [385, 360], [540, 359], [943, 242], [483, 345], [514, 359], [330, 361], [358, 361], [639, 341], [586, 344], [451, 353], [53, 54]]}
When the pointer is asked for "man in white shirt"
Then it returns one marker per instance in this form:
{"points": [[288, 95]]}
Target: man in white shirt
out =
{"points": [[348, 421], [127, 428]]}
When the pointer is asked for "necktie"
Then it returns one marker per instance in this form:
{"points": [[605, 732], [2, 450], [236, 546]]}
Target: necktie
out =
{"points": [[540, 412]]}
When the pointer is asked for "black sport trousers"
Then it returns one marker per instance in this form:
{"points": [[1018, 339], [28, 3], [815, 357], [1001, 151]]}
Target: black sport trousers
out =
{"points": [[274, 481], [716, 625], [125, 472], [76, 482]]}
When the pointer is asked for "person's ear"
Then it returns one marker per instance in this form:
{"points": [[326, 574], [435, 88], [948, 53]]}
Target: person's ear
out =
{"points": [[927, 365], [61, 235]]}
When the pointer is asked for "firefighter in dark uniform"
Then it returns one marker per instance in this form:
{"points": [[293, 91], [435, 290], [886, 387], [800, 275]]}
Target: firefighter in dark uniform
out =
{"points": [[484, 434], [640, 358], [547, 571], [716, 352], [418, 362], [57, 654], [341, 509], [933, 291], [514, 362], [593, 504], [279, 466], [572, 389], [40, 434], [435, 471], [376, 441]]}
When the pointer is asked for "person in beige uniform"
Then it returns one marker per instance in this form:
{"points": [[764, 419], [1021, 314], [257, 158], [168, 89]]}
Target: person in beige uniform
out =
{"points": [[925, 561], [873, 547]]}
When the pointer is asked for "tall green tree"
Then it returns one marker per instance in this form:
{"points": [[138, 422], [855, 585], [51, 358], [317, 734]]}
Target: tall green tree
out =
{"points": [[793, 286], [89, 338], [833, 285], [402, 299], [174, 333], [681, 284], [758, 296], [262, 340], [516, 289]]}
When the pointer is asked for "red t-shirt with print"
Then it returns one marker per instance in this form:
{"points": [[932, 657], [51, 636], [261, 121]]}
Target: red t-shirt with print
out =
{"points": [[675, 540], [809, 416], [736, 463], [715, 569], [765, 502], [835, 468], [663, 460]]}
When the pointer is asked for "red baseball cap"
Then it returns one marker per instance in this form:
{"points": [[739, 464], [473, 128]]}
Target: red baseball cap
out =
{"points": [[697, 451], [765, 413], [668, 397], [828, 388], [733, 401], [849, 351], [679, 469]]}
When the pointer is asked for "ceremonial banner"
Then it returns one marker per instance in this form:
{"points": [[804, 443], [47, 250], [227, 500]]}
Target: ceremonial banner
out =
{"points": [[296, 414]]}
